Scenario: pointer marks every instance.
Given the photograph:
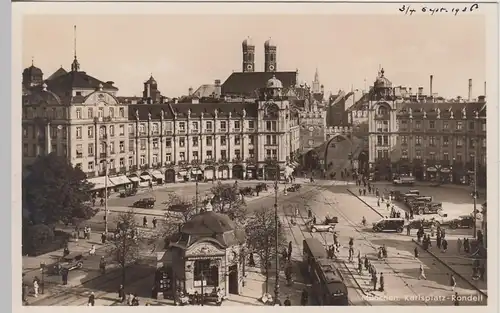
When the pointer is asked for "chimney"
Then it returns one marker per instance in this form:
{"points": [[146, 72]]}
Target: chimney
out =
{"points": [[431, 78], [190, 91], [470, 90], [420, 91]]}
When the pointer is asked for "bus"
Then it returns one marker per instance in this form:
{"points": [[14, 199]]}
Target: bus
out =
{"points": [[328, 287]]}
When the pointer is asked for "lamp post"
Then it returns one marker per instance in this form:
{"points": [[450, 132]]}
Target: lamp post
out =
{"points": [[105, 187], [42, 268], [475, 196], [196, 196], [276, 221]]}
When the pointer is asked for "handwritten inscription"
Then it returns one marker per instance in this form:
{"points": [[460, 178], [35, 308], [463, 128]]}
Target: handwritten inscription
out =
{"points": [[408, 9]]}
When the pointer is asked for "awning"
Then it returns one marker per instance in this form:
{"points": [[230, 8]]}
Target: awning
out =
{"points": [[157, 175], [145, 177], [182, 173], [445, 170], [120, 180], [134, 179], [196, 171], [100, 182], [431, 169]]}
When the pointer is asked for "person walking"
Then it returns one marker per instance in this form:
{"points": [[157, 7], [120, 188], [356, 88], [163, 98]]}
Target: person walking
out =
{"points": [[103, 238], [287, 301], [415, 252], [144, 221], [453, 282], [102, 265], [367, 263], [444, 244], [289, 255], [92, 250], [121, 293], [154, 221], [421, 274], [35, 287], [466, 245], [91, 301], [459, 245], [374, 281], [408, 230], [304, 298], [381, 282]]}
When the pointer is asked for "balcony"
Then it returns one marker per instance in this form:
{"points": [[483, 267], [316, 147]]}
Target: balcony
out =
{"points": [[156, 165], [168, 132], [237, 160], [79, 155], [209, 130], [170, 164], [102, 155], [195, 131], [223, 130], [237, 130], [222, 161], [209, 161], [271, 161], [182, 162], [103, 137], [195, 162], [181, 131]]}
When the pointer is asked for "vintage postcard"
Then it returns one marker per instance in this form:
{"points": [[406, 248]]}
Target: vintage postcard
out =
{"points": [[256, 155]]}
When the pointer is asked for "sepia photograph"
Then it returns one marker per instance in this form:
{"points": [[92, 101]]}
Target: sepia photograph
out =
{"points": [[254, 159]]}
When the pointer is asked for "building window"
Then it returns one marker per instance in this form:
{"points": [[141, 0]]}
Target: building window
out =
{"points": [[472, 143], [206, 273], [112, 148], [112, 130], [251, 125], [251, 152], [168, 157], [122, 112], [143, 144], [90, 132], [79, 151], [223, 126], [386, 140], [168, 142], [271, 126], [90, 149], [131, 145], [130, 161], [432, 124], [142, 159], [418, 154], [195, 141], [251, 139], [237, 126], [122, 162], [483, 142], [271, 140], [223, 140], [237, 153], [404, 154], [471, 125], [418, 140], [459, 157], [155, 159], [418, 124], [386, 154], [122, 130], [223, 154], [460, 142], [472, 158], [379, 154], [79, 114], [182, 142], [237, 140], [182, 156], [209, 154], [445, 141], [446, 125], [78, 133], [90, 113], [155, 143], [195, 155], [100, 113], [446, 156], [432, 141], [404, 140], [209, 126], [155, 129], [404, 123], [111, 112], [122, 146], [208, 140], [432, 156], [379, 140], [25, 150], [195, 126], [460, 125], [90, 166], [483, 126]]}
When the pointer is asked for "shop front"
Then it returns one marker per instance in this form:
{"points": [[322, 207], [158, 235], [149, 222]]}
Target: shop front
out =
{"points": [[238, 172], [445, 175], [432, 173], [157, 177], [251, 172], [271, 172], [183, 175], [223, 172], [196, 174], [209, 172], [170, 175]]}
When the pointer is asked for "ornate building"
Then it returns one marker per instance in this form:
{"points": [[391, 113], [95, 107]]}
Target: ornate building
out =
{"points": [[426, 136]]}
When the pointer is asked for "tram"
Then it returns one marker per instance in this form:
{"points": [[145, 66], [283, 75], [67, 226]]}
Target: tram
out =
{"points": [[328, 287]]}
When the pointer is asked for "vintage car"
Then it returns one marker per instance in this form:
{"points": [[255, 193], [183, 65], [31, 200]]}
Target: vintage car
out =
{"points": [[423, 207], [425, 223], [145, 203], [128, 192], [328, 225], [72, 261], [417, 199], [293, 188], [464, 221], [404, 180], [389, 224]]}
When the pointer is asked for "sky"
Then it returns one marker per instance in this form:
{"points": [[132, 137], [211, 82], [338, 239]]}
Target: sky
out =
{"points": [[183, 51]]}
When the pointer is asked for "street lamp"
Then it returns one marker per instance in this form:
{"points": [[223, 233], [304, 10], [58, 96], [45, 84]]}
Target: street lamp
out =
{"points": [[42, 269], [475, 196], [276, 221], [105, 187]]}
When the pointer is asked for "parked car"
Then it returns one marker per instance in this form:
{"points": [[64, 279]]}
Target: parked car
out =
{"points": [[145, 203], [425, 223], [328, 225], [418, 199], [128, 192], [69, 262], [389, 224], [423, 207], [404, 180], [464, 221]]}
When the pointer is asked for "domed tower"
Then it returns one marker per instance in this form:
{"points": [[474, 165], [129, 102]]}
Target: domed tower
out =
{"points": [[382, 87], [274, 89], [32, 76], [151, 90], [248, 49], [269, 56]]}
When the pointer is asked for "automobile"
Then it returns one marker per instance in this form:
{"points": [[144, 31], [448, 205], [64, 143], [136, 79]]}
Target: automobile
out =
{"points": [[68, 262], [404, 180], [389, 224], [328, 225], [294, 187], [425, 223], [410, 200], [423, 207], [145, 203], [128, 192], [464, 221]]}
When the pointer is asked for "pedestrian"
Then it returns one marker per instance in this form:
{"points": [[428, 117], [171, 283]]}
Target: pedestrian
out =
{"points": [[374, 281], [64, 276], [92, 250], [360, 266], [459, 245], [351, 253], [91, 301], [456, 302], [453, 282], [289, 256], [304, 298], [102, 201], [408, 230], [415, 252], [411, 213], [482, 270], [102, 265], [154, 221], [438, 240], [378, 202], [433, 230], [367, 263], [121, 294], [384, 251], [35, 287], [130, 298], [369, 188], [364, 191], [144, 221], [381, 282], [466, 245], [103, 238], [444, 244], [360, 191], [421, 274], [135, 300], [309, 213], [89, 231], [287, 301]]}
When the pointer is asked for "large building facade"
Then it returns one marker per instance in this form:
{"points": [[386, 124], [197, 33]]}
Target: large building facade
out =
{"points": [[80, 117], [426, 136]]}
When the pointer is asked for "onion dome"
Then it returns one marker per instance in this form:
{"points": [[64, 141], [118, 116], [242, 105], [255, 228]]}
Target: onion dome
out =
{"points": [[269, 43], [382, 81], [247, 42], [33, 71], [274, 83]]}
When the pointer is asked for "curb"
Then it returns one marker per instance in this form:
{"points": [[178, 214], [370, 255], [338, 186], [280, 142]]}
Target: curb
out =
{"points": [[137, 213], [352, 193], [355, 280], [451, 269]]}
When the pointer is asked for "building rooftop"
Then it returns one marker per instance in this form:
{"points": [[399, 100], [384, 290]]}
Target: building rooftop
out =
{"points": [[247, 84]]}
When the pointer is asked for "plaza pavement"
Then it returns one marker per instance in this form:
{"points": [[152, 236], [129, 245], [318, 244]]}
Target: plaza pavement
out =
{"points": [[401, 269]]}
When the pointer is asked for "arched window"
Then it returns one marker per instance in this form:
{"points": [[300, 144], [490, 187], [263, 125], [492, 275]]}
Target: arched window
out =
{"points": [[382, 110]]}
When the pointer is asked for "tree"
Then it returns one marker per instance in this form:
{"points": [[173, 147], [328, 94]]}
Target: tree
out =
{"points": [[261, 238], [228, 200], [55, 191], [125, 244]]}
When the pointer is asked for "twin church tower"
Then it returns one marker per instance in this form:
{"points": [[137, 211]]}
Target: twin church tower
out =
{"points": [[249, 56]]}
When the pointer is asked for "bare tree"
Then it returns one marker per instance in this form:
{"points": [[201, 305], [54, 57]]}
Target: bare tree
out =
{"points": [[228, 200], [261, 238], [125, 244]]}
